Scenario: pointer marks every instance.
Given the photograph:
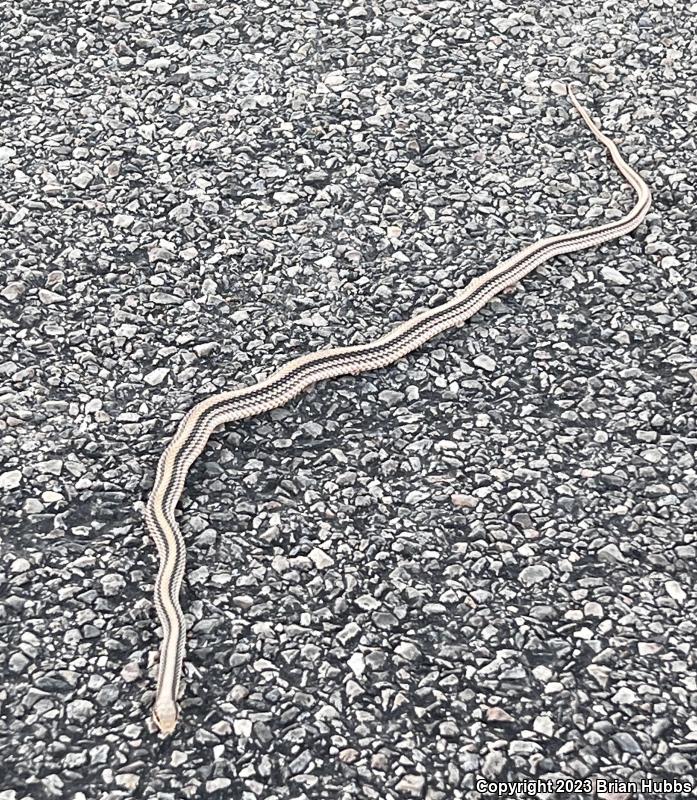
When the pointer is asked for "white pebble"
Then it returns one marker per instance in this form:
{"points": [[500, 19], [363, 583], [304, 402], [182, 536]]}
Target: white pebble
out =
{"points": [[534, 574], [127, 330], [544, 725], [80, 710], [484, 362], [357, 664], [50, 497], [614, 276], [127, 780], [6, 153], [20, 565], [242, 727], [10, 479], [217, 784], [130, 672], [286, 198], [82, 180], [320, 559], [334, 79], [676, 591], [463, 500], [623, 696], [13, 291], [156, 376], [48, 298]]}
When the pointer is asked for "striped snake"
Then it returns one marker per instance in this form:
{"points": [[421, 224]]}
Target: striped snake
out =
{"points": [[285, 383]]}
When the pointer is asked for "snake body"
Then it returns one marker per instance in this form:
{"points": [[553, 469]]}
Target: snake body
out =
{"points": [[289, 380]]}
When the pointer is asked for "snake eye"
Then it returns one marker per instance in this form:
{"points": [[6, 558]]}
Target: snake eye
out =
{"points": [[165, 715]]}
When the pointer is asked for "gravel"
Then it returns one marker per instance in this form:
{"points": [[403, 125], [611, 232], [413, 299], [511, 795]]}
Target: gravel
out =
{"points": [[479, 562]]}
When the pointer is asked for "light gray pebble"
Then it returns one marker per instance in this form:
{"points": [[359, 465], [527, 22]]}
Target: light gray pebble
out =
{"points": [[485, 362], [627, 743], [18, 662], [390, 398], [675, 590], [217, 785], [411, 785], [408, 650], [156, 376], [610, 554], [112, 584], [613, 275], [533, 574], [320, 558], [13, 291], [20, 565], [349, 633], [80, 710], [493, 764], [677, 764], [464, 500]]}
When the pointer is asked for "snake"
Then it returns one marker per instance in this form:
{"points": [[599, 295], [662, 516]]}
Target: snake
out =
{"points": [[196, 427]]}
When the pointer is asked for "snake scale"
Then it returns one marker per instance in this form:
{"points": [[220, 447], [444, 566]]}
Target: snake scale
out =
{"points": [[289, 380]]}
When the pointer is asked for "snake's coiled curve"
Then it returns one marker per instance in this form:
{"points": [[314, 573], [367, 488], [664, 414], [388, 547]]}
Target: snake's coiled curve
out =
{"points": [[196, 427]]}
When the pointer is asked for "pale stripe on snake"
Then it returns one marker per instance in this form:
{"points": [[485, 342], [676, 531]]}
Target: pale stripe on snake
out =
{"points": [[196, 427]]}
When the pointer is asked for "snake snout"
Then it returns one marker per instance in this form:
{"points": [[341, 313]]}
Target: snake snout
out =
{"points": [[165, 715]]}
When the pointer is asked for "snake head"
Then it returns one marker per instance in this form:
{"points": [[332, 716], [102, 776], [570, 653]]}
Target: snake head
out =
{"points": [[165, 715]]}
